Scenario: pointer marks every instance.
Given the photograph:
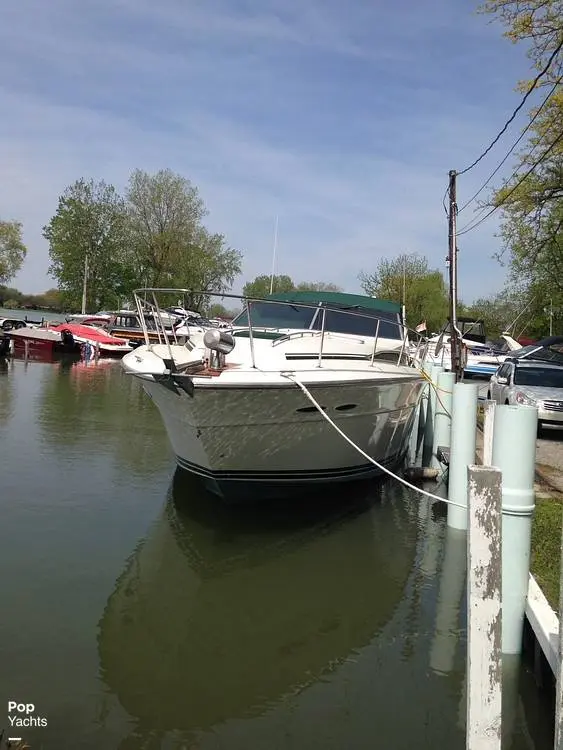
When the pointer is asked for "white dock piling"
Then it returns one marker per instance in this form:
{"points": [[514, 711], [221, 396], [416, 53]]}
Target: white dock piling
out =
{"points": [[558, 744], [514, 453], [430, 415], [443, 417], [488, 432], [452, 583], [484, 660], [462, 452]]}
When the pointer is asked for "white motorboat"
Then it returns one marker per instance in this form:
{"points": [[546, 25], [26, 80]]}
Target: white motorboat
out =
{"points": [[99, 318], [249, 408], [478, 357]]}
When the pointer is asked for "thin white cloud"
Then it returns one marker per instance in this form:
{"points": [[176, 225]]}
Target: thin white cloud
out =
{"points": [[310, 111]]}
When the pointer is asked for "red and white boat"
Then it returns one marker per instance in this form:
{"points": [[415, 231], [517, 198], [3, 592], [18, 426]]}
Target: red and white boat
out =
{"points": [[42, 343], [98, 338]]}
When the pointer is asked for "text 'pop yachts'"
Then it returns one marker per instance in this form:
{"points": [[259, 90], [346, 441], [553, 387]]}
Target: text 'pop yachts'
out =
{"points": [[23, 715]]}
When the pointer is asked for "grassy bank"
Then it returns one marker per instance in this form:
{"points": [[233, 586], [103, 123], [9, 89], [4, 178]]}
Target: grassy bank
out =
{"points": [[545, 562]]}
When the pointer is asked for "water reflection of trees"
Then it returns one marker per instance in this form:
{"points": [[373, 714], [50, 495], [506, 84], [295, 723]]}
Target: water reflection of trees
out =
{"points": [[98, 408], [222, 612]]}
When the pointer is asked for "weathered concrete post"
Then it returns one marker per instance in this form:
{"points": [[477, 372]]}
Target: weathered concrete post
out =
{"points": [[443, 417], [514, 453], [484, 658], [430, 415], [462, 452]]}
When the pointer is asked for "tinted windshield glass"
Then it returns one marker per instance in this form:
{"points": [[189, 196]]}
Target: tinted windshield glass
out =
{"points": [[342, 322], [274, 315], [539, 376]]}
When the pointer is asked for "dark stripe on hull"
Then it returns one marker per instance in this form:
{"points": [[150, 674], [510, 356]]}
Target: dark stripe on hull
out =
{"points": [[280, 483]]}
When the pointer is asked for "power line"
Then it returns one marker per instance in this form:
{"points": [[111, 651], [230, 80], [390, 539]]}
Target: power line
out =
{"points": [[444, 200], [469, 227], [518, 108], [516, 142]]}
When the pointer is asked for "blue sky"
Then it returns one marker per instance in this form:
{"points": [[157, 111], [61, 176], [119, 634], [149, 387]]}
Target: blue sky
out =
{"points": [[341, 118]]}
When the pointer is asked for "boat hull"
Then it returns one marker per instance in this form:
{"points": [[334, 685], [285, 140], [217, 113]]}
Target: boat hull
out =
{"points": [[34, 345], [272, 439], [39, 344]]}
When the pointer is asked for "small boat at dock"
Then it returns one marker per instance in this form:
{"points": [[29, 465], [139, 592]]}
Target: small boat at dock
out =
{"points": [[104, 344], [42, 342]]}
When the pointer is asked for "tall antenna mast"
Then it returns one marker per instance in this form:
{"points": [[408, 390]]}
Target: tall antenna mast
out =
{"points": [[274, 256], [404, 309]]}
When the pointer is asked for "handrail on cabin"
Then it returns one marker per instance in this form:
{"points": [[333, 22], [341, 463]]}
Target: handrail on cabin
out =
{"points": [[156, 311]]}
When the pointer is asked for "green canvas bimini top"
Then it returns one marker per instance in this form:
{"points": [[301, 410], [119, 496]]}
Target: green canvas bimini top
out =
{"points": [[341, 299]]}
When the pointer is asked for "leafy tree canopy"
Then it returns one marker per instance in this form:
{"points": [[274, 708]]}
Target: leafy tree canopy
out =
{"points": [[12, 250], [88, 236], [424, 289], [260, 286], [151, 236], [532, 207]]}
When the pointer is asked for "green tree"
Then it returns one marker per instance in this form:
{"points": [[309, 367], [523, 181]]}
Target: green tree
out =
{"points": [[497, 312], [207, 264], [52, 298], [89, 236], [425, 293], [260, 286], [317, 286], [532, 206], [12, 250], [165, 213], [171, 246], [216, 310]]}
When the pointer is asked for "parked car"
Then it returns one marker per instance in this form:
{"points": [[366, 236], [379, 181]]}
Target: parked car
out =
{"points": [[532, 383]]}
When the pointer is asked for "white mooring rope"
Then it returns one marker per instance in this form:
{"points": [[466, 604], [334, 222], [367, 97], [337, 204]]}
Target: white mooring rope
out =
{"points": [[322, 412]]}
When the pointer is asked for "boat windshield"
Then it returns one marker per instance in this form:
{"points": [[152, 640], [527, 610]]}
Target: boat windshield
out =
{"points": [[290, 316], [277, 315]]}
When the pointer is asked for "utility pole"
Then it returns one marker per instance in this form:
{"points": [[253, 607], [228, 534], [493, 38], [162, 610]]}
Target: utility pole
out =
{"points": [[455, 343], [84, 284], [274, 256]]}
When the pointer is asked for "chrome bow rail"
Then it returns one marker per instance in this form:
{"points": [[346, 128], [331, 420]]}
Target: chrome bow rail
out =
{"points": [[412, 351]]}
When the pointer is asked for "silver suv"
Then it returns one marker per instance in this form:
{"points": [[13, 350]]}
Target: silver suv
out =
{"points": [[532, 383]]}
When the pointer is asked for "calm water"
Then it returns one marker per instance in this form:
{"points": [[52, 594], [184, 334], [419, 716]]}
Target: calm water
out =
{"points": [[140, 612]]}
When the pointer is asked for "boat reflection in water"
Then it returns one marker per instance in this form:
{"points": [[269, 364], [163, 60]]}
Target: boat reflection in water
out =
{"points": [[224, 611]]}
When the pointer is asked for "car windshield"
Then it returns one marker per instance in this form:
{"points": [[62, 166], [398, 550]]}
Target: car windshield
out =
{"points": [[277, 315], [544, 377]]}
